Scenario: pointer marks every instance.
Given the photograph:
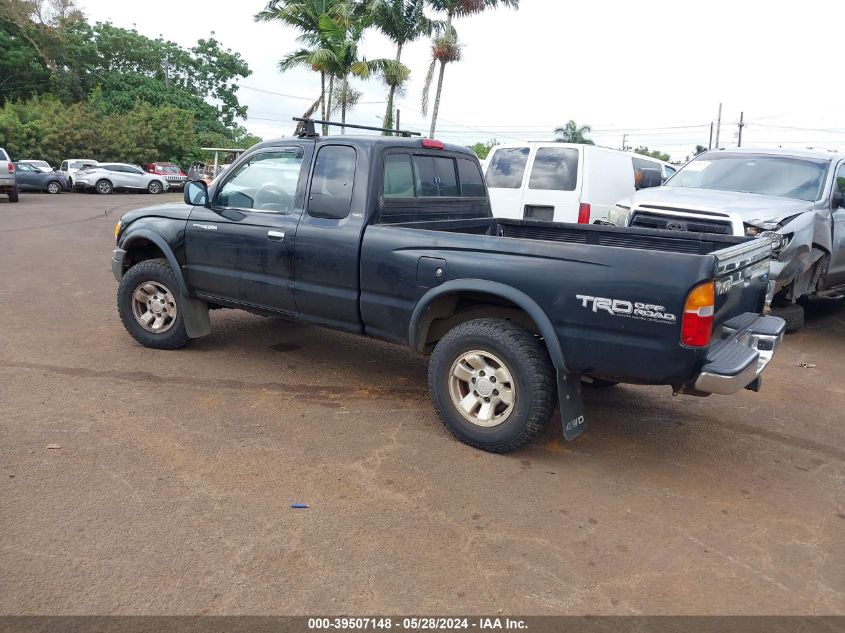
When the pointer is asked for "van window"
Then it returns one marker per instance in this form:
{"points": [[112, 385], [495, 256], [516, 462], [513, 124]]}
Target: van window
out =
{"points": [[507, 167], [64, 166], [472, 182], [555, 168]]}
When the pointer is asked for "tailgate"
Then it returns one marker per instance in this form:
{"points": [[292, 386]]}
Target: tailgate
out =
{"points": [[741, 277]]}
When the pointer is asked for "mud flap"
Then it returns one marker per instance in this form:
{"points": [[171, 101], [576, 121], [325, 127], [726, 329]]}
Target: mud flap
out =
{"points": [[571, 405], [195, 313]]}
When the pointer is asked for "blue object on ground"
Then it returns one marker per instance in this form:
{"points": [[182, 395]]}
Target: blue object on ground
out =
{"points": [[299, 505]]}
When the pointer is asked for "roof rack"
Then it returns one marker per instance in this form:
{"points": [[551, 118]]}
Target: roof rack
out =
{"points": [[306, 128]]}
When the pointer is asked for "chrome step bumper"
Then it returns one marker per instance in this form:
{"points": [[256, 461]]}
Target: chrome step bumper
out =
{"points": [[736, 361]]}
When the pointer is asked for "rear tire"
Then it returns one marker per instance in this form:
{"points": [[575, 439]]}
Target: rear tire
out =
{"points": [[13, 195], [492, 384], [149, 305], [103, 187], [792, 313]]}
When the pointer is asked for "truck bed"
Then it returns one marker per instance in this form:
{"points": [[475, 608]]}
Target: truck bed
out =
{"points": [[593, 234], [563, 267]]}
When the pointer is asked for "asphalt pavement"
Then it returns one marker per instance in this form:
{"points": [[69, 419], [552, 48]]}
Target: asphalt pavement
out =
{"points": [[135, 481]]}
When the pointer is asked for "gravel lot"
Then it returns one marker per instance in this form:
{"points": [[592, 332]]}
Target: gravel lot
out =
{"points": [[171, 490]]}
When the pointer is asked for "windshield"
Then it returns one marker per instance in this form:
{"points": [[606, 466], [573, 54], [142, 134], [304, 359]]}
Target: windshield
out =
{"points": [[783, 176]]}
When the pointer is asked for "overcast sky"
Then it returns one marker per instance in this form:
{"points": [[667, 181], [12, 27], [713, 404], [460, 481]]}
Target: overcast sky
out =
{"points": [[656, 70]]}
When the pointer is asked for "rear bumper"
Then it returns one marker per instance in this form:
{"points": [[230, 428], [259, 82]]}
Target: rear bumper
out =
{"points": [[736, 361]]}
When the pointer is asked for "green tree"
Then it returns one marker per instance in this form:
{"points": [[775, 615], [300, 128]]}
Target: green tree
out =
{"points": [[446, 49], [699, 149], [642, 149], [573, 133], [306, 16], [482, 150], [403, 21]]}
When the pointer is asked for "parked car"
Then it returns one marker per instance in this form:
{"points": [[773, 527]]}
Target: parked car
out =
{"points": [[393, 238], [70, 166], [171, 172], [564, 182], [7, 176], [42, 165], [797, 194], [31, 178], [107, 177]]}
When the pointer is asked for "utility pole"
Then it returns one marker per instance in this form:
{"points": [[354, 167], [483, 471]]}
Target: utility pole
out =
{"points": [[710, 142], [625, 142], [741, 125], [718, 125]]}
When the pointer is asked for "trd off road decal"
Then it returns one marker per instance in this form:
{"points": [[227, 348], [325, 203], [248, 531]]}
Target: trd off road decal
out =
{"points": [[629, 309]]}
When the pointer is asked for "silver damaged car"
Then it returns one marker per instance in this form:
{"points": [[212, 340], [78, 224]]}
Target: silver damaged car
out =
{"points": [[799, 195]]}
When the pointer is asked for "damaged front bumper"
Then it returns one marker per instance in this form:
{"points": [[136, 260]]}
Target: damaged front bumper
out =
{"points": [[736, 361]]}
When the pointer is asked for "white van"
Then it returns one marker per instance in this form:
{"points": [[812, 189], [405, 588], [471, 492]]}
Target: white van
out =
{"points": [[70, 166], [566, 182]]}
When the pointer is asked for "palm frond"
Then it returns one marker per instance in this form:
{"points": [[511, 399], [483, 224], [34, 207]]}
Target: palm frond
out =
{"points": [[429, 77]]}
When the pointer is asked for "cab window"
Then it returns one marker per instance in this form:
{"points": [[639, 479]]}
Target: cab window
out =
{"points": [[266, 182], [332, 183], [840, 182], [472, 182]]}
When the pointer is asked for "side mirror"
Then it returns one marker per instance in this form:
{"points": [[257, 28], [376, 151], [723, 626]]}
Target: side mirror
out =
{"points": [[196, 193], [647, 178], [838, 199]]}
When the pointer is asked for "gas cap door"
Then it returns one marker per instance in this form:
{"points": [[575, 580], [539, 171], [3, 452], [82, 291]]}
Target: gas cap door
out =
{"points": [[431, 272]]}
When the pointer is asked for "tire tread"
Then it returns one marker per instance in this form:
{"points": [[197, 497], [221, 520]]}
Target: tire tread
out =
{"points": [[530, 354]]}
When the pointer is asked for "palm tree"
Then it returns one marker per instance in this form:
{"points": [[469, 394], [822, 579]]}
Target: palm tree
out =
{"points": [[306, 16], [403, 21], [343, 31], [572, 133], [446, 49]]}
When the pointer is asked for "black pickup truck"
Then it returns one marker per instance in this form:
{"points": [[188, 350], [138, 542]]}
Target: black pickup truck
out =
{"points": [[393, 238]]}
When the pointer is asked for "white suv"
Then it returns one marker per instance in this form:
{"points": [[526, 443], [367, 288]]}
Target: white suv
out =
{"points": [[107, 177]]}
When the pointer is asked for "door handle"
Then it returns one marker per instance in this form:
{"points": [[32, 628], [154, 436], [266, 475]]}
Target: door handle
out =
{"points": [[276, 236]]}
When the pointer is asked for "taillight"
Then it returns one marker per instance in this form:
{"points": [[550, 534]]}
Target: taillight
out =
{"points": [[11, 168], [697, 324], [584, 213]]}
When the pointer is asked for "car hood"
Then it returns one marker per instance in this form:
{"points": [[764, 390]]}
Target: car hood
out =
{"points": [[749, 206], [171, 211]]}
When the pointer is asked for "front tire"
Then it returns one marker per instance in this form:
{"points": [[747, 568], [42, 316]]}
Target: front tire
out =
{"points": [[492, 384], [103, 187], [149, 305], [54, 187], [154, 187]]}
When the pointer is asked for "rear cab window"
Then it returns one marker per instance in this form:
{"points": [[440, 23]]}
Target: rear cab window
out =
{"points": [[417, 184]]}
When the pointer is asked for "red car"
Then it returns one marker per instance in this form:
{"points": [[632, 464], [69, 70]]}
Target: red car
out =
{"points": [[172, 173]]}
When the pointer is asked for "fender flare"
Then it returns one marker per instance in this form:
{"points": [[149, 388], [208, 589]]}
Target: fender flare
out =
{"points": [[523, 301], [195, 311], [164, 247]]}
